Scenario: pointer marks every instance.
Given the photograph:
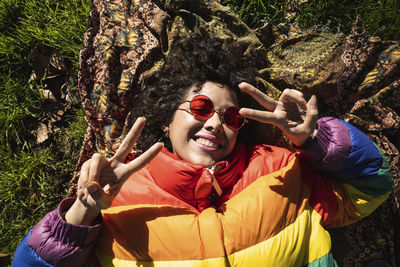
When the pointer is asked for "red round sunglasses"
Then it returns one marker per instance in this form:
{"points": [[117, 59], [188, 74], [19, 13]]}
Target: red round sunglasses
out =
{"points": [[202, 108]]}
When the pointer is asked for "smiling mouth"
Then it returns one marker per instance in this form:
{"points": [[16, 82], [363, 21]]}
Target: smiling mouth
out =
{"points": [[207, 143]]}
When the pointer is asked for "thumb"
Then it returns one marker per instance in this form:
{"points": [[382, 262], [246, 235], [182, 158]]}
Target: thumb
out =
{"points": [[311, 118], [100, 198]]}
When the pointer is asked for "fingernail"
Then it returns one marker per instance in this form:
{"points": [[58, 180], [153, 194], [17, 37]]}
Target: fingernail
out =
{"points": [[313, 100], [92, 189]]}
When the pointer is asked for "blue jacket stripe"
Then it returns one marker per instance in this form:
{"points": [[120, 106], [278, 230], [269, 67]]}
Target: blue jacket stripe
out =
{"points": [[366, 168], [25, 256], [364, 158]]}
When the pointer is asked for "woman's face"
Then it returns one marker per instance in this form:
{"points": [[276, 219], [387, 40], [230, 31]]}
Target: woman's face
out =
{"points": [[203, 142]]}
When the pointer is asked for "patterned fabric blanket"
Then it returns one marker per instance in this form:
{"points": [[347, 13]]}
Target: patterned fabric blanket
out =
{"points": [[355, 77]]}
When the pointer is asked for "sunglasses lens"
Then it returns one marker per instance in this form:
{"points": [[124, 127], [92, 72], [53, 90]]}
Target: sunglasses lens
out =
{"points": [[201, 107], [232, 118]]}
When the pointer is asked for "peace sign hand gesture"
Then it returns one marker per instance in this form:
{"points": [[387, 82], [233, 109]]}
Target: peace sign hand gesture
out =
{"points": [[101, 179], [286, 113]]}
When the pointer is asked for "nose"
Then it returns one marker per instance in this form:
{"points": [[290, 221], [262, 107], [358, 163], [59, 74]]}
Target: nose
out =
{"points": [[214, 123]]}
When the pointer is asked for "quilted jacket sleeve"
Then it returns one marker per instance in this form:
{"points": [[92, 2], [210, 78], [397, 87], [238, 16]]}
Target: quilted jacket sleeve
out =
{"points": [[54, 242], [362, 174]]}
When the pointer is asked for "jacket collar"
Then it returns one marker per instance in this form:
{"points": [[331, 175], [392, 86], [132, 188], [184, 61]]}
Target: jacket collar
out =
{"points": [[192, 183]]}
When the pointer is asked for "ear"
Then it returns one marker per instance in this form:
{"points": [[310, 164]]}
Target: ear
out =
{"points": [[165, 129]]}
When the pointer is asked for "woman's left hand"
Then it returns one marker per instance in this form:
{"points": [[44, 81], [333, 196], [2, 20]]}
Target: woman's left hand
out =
{"points": [[287, 113]]}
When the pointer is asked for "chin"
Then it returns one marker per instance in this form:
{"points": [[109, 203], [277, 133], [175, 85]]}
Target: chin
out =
{"points": [[206, 163], [203, 161]]}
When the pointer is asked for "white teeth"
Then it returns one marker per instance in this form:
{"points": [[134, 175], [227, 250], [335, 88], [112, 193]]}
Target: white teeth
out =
{"points": [[206, 142]]}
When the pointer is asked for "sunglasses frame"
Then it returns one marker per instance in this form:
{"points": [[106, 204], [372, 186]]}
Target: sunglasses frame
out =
{"points": [[214, 110]]}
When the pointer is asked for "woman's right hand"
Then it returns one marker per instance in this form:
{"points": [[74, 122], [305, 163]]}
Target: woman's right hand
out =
{"points": [[101, 179], [285, 113]]}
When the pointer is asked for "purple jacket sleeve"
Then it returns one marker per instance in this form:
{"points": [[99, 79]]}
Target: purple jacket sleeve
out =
{"points": [[331, 146], [60, 243], [341, 150]]}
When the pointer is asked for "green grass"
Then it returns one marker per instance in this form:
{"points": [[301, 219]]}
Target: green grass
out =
{"points": [[34, 178], [17, 100], [380, 17], [57, 24], [258, 12]]}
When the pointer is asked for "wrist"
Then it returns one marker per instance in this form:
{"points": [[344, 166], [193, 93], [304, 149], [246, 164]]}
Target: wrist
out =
{"points": [[304, 143], [79, 214]]}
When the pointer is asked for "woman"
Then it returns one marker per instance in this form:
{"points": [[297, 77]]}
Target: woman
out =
{"points": [[208, 198]]}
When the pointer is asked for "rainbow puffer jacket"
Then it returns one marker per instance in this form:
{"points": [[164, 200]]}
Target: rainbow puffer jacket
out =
{"points": [[274, 211]]}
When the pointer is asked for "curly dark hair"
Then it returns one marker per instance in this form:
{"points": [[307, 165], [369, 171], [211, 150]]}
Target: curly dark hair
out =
{"points": [[191, 62]]}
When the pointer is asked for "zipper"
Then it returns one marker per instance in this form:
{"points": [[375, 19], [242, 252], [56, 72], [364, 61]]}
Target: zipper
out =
{"points": [[215, 183]]}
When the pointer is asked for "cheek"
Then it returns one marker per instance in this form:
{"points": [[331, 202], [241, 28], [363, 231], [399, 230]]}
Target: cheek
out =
{"points": [[231, 137], [231, 134], [181, 128]]}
